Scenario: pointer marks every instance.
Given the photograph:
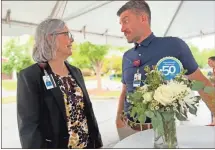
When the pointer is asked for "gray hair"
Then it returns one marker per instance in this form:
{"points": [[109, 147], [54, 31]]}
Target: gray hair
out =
{"points": [[44, 48], [137, 7]]}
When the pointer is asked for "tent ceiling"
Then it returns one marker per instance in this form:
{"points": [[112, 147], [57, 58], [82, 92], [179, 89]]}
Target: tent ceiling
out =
{"points": [[169, 18]]}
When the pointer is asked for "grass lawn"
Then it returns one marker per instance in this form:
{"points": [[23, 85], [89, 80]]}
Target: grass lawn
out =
{"points": [[86, 78], [9, 85], [100, 95], [9, 99]]}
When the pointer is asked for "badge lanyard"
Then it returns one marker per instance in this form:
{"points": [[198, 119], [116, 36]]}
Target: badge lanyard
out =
{"points": [[137, 78], [137, 75], [47, 79]]}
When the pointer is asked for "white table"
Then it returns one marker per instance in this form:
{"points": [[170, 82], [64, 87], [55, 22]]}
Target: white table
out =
{"points": [[188, 137]]}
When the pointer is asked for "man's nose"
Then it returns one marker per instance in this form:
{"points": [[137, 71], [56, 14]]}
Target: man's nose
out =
{"points": [[122, 29], [71, 39]]}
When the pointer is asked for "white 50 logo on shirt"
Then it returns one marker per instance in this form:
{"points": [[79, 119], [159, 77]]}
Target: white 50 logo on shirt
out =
{"points": [[170, 67]]}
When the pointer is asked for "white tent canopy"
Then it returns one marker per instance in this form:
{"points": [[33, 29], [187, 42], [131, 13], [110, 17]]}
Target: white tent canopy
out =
{"points": [[96, 21]]}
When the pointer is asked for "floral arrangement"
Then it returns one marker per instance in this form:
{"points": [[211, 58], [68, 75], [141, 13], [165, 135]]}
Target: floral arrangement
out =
{"points": [[163, 101]]}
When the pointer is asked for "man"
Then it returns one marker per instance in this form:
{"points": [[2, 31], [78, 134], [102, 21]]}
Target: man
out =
{"points": [[211, 63], [135, 20]]}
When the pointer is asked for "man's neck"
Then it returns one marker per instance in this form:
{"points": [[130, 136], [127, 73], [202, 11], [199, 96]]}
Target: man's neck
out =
{"points": [[147, 34]]}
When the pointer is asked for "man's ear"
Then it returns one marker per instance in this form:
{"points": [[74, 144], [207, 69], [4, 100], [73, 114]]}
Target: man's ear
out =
{"points": [[144, 17]]}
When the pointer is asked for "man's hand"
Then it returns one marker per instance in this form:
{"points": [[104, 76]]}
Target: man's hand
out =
{"points": [[213, 122], [119, 123], [209, 99]]}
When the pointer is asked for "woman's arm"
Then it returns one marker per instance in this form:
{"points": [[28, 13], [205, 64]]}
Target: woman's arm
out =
{"points": [[28, 111]]}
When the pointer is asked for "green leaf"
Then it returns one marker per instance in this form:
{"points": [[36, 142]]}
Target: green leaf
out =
{"points": [[209, 89], [181, 116], [168, 115], [137, 95], [158, 116], [141, 108], [142, 118], [193, 110], [155, 123], [160, 128], [133, 111], [161, 110], [197, 85], [149, 114]]}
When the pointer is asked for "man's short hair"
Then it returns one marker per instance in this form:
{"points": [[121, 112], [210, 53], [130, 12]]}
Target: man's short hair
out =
{"points": [[212, 58], [136, 6]]}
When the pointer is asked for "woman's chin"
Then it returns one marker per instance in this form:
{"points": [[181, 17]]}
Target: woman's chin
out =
{"points": [[70, 53]]}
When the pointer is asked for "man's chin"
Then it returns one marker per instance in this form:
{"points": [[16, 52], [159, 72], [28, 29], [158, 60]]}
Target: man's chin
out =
{"points": [[129, 41]]}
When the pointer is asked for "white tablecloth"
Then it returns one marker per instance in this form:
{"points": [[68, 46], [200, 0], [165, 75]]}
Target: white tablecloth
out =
{"points": [[188, 137]]}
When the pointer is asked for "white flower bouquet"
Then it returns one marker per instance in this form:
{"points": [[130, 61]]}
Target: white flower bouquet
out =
{"points": [[163, 101]]}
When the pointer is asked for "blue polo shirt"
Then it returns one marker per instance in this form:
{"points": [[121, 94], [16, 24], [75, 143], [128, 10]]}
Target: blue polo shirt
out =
{"points": [[149, 52]]}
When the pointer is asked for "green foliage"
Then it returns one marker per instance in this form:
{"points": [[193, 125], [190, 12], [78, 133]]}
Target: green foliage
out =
{"points": [[145, 103], [198, 85], [201, 56], [112, 63], [90, 56], [18, 55], [153, 79], [121, 48], [77, 59], [95, 53]]}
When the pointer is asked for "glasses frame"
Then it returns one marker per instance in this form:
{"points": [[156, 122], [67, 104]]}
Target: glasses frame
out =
{"points": [[69, 34]]}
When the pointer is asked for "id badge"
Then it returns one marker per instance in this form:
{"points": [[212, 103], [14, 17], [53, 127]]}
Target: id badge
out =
{"points": [[48, 83], [137, 80]]}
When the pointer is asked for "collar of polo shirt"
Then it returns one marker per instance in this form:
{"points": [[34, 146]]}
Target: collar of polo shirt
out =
{"points": [[146, 41]]}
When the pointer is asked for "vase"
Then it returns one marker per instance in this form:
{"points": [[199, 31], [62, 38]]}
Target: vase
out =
{"points": [[168, 137]]}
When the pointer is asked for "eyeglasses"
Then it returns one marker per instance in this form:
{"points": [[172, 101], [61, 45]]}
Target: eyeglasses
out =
{"points": [[65, 33]]}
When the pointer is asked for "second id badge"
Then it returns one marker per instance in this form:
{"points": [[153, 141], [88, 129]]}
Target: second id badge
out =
{"points": [[137, 79]]}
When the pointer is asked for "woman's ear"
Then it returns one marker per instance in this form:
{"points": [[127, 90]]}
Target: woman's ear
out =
{"points": [[50, 37]]}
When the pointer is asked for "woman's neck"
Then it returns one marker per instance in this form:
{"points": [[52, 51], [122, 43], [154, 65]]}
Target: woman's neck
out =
{"points": [[58, 67]]}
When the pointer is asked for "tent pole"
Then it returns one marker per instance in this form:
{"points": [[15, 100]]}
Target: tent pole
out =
{"points": [[173, 18], [77, 31]]}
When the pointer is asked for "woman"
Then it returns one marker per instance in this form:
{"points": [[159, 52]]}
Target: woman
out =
{"points": [[53, 106]]}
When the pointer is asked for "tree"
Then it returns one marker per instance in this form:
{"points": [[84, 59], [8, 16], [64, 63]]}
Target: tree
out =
{"points": [[95, 55], [18, 55], [201, 57], [113, 63], [77, 59], [121, 48]]}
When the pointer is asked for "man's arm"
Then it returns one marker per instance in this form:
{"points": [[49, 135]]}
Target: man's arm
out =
{"points": [[120, 109], [209, 99], [121, 100], [194, 73]]}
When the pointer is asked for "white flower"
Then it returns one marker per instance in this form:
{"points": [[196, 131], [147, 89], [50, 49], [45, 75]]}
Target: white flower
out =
{"points": [[166, 94], [167, 109], [148, 96], [190, 99], [156, 107], [144, 88]]}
